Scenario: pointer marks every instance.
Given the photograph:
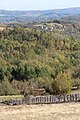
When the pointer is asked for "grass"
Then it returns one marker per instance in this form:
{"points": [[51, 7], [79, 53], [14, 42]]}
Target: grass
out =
{"points": [[11, 97]]}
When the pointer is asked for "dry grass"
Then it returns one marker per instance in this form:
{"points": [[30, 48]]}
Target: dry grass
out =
{"points": [[65, 111]]}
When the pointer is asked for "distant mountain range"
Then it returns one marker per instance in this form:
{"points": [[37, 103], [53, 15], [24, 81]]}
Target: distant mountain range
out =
{"points": [[39, 15]]}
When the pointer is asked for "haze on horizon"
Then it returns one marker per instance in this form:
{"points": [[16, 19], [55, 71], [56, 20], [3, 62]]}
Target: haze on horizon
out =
{"points": [[37, 4]]}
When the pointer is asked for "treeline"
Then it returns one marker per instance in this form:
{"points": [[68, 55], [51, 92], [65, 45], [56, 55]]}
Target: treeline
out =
{"points": [[32, 59]]}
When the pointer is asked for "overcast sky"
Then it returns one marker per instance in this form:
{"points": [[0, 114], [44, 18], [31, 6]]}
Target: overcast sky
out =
{"points": [[37, 4]]}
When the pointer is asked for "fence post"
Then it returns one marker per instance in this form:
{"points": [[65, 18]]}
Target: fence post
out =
{"points": [[50, 99], [79, 96], [76, 97]]}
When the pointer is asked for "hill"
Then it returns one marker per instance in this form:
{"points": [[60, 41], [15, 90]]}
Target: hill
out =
{"points": [[39, 55], [44, 15]]}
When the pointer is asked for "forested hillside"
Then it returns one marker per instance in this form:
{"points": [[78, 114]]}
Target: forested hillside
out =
{"points": [[33, 58]]}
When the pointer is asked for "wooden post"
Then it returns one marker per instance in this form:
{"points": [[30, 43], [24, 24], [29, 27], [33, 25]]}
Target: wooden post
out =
{"points": [[76, 99]]}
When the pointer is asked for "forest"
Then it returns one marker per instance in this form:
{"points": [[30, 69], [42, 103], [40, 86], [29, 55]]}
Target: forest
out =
{"points": [[33, 58]]}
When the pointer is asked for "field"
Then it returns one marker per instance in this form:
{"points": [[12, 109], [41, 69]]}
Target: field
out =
{"points": [[2, 28], [64, 111]]}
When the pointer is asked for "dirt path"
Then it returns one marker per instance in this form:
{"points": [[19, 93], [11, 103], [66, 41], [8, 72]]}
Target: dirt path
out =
{"points": [[67, 111]]}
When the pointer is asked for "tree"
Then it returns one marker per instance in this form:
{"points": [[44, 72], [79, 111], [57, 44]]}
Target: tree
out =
{"points": [[6, 88], [2, 74], [62, 84], [29, 72]]}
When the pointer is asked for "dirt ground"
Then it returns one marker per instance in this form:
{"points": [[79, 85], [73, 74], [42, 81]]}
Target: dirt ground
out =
{"points": [[64, 111]]}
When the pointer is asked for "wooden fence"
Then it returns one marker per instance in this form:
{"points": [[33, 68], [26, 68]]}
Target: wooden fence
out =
{"points": [[49, 99], [53, 99]]}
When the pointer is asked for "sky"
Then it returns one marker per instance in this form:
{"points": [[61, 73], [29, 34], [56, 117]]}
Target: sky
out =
{"points": [[37, 4]]}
